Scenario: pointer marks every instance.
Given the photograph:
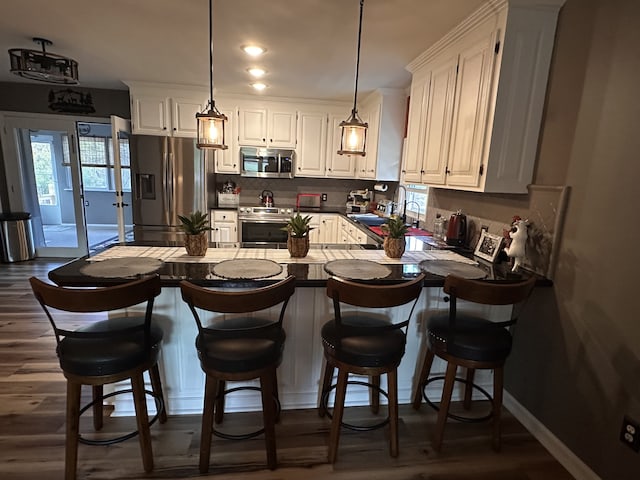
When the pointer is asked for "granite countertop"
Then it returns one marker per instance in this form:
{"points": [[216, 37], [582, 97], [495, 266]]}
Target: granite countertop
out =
{"points": [[309, 271]]}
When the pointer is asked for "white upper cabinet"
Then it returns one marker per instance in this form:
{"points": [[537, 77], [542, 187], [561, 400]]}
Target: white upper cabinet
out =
{"points": [[384, 110], [338, 166], [261, 127], [477, 97], [312, 147], [228, 161], [165, 110]]}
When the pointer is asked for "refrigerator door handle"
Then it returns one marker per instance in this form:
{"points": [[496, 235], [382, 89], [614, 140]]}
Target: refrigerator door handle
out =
{"points": [[165, 181], [171, 206]]}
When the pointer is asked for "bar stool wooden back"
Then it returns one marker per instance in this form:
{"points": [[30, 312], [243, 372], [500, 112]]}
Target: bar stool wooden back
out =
{"points": [[239, 348], [105, 351], [359, 341], [471, 341]]}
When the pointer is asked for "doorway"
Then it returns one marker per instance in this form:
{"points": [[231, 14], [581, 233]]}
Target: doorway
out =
{"points": [[73, 177]]}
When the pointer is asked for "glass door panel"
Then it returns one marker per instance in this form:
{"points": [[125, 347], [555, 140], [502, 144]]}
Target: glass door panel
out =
{"points": [[52, 186]]}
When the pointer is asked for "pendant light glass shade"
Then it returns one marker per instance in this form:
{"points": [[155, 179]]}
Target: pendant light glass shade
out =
{"points": [[211, 130], [354, 136], [354, 130], [211, 124], [43, 66]]}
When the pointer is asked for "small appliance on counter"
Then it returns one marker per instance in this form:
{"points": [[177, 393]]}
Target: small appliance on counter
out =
{"points": [[358, 201], [457, 229], [385, 207], [307, 200]]}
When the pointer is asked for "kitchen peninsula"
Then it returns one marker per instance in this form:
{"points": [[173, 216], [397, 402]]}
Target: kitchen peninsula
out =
{"points": [[308, 310]]}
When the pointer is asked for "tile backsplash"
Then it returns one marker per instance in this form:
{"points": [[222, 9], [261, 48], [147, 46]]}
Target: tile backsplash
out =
{"points": [[543, 207]]}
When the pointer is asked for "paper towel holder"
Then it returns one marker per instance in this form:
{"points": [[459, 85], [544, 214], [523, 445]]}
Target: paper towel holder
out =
{"points": [[380, 187]]}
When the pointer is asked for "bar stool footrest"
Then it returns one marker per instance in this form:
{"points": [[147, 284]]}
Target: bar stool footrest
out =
{"points": [[244, 436], [358, 428], [453, 416], [110, 441]]}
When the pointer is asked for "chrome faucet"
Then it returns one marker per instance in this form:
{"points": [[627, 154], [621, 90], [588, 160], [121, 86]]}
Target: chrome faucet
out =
{"points": [[405, 211]]}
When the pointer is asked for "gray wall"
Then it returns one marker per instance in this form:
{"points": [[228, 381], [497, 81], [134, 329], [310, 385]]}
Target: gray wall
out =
{"points": [[20, 96], [576, 359]]}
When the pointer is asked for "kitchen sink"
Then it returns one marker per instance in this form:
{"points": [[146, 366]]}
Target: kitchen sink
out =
{"points": [[369, 219]]}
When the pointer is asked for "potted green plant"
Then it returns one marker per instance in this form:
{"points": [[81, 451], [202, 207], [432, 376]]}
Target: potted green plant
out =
{"points": [[298, 239], [195, 227], [394, 231]]}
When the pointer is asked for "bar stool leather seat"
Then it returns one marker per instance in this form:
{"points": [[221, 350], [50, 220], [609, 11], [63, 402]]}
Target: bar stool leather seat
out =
{"points": [[108, 356], [476, 338], [356, 342], [243, 353]]}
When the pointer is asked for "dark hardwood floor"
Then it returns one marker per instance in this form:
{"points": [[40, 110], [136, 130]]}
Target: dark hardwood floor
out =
{"points": [[32, 399]]}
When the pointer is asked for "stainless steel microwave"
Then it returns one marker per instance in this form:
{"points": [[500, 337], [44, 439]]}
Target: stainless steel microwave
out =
{"points": [[267, 162]]}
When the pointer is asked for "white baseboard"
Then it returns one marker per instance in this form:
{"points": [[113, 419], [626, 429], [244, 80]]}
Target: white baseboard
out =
{"points": [[569, 460]]}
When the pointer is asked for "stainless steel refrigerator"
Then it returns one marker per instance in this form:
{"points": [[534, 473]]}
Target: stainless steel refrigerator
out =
{"points": [[168, 180]]}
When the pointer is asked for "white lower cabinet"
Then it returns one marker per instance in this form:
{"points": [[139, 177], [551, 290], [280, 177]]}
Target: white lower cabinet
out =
{"points": [[324, 228], [224, 226]]}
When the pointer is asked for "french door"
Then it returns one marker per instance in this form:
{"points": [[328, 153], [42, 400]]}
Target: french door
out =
{"points": [[44, 179], [73, 178]]}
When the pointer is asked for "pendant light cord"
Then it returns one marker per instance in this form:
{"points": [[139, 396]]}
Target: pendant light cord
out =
{"points": [[211, 54], [355, 95]]}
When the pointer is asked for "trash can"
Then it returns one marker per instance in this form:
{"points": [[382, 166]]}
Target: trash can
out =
{"points": [[16, 235]]}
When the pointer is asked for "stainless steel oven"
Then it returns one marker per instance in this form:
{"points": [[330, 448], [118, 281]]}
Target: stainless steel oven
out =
{"points": [[263, 225]]}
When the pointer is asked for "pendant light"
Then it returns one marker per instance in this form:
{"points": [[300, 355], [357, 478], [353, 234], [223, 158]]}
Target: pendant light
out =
{"points": [[211, 124], [354, 130], [42, 65]]}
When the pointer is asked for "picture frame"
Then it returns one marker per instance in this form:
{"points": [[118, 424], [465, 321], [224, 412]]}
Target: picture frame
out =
{"points": [[488, 246]]}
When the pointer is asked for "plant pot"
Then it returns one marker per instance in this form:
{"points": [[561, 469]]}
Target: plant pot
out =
{"points": [[298, 246], [196, 245], [394, 247]]}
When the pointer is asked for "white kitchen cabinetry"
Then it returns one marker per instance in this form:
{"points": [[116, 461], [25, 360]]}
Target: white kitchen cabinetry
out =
{"points": [[312, 145], [260, 127], [338, 166], [325, 229], [165, 110], [224, 226], [228, 161], [477, 97], [384, 110]]}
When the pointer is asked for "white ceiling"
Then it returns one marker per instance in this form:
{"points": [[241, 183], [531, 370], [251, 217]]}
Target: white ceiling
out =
{"points": [[311, 43]]}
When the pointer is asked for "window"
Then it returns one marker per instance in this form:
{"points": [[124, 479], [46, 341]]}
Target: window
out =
{"points": [[97, 163], [417, 196]]}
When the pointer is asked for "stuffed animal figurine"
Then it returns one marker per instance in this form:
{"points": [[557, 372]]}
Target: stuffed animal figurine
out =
{"points": [[516, 249]]}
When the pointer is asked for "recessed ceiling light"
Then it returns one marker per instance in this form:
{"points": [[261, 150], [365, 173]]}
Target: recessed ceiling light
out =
{"points": [[259, 86], [253, 50], [256, 72]]}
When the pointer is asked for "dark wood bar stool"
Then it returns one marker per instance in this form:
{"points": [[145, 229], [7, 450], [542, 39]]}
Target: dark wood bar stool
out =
{"points": [[365, 342], [471, 341], [104, 352], [235, 345]]}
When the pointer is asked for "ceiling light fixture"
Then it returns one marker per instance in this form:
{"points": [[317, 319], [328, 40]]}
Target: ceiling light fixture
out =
{"points": [[256, 72], [354, 130], [42, 65], [253, 50], [259, 86], [211, 124]]}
